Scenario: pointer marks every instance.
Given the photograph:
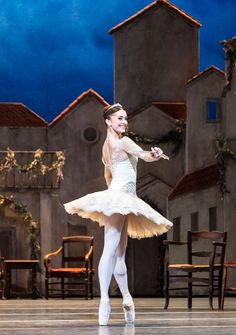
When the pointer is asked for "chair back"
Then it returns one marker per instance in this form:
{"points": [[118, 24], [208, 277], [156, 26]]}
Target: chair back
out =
{"points": [[74, 249], [207, 244], [2, 267]]}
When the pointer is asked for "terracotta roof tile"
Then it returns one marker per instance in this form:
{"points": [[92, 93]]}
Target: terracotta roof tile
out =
{"points": [[176, 110], [206, 72], [14, 114], [76, 102], [157, 4], [196, 181]]}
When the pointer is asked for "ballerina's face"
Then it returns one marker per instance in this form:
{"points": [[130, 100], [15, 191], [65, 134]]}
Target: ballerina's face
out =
{"points": [[118, 121]]}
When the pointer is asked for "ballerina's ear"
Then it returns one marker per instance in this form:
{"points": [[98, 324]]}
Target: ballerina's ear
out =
{"points": [[108, 122]]}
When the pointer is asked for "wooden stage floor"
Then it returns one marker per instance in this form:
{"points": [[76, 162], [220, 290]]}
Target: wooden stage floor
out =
{"points": [[79, 317]]}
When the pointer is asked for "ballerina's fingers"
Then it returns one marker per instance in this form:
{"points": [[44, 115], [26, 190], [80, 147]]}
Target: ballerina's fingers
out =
{"points": [[156, 152], [153, 153]]}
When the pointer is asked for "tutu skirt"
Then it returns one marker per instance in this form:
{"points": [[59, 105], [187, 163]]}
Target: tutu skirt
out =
{"points": [[143, 220]]}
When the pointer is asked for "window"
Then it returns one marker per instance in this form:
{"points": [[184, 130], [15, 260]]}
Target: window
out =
{"points": [[194, 221], [212, 218], [90, 134], [176, 229], [213, 110]]}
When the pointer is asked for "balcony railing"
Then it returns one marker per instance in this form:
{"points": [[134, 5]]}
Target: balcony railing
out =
{"points": [[31, 169]]}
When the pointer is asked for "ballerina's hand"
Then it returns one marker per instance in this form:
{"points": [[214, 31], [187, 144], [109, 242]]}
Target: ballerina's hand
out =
{"points": [[158, 153]]}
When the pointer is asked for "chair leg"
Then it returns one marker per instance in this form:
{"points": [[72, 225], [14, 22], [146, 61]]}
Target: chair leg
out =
{"points": [[86, 288], [3, 284], [211, 289], [220, 288], [91, 286], [190, 290], [46, 288], [62, 288], [166, 289], [211, 297], [222, 300]]}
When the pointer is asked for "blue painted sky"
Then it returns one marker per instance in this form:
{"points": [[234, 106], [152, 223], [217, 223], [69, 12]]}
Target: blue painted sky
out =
{"points": [[53, 50]]}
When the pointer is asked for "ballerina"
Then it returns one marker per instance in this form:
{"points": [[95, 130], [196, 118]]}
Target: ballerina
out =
{"points": [[119, 209]]}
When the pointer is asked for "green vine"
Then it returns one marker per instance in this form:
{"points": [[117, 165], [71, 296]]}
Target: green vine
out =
{"points": [[230, 57], [222, 156], [33, 226], [174, 136]]}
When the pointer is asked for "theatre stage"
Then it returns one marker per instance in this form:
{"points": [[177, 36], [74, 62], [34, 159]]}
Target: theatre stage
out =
{"points": [[78, 316]]}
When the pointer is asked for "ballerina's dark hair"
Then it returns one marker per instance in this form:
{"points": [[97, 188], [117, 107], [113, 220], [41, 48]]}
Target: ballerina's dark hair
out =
{"points": [[109, 110]]}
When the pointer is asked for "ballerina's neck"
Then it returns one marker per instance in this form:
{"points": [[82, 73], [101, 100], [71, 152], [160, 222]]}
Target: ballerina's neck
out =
{"points": [[111, 133]]}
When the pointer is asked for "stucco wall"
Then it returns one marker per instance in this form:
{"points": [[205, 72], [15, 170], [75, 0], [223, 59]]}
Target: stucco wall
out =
{"points": [[201, 135], [83, 167], [229, 103], [154, 58], [153, 123], [229, 131], [229, 207], [23, 138]]}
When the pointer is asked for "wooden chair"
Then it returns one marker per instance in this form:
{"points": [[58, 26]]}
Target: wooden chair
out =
{"points": [[2, 278], [206, 273], [76, 263], [227, 266]]}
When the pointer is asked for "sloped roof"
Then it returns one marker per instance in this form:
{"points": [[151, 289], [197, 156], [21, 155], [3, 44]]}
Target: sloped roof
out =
{"points": [[149, 180], [196, 181], [90, 92], [206, 72], [157, 4], [176, 110], [15, 114]]}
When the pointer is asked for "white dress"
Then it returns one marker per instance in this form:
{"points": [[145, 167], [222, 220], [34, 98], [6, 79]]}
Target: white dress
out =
{"points": [[120, 197]]}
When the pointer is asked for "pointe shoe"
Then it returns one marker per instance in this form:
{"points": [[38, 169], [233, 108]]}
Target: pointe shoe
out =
{"points": [[128, 308], [104, 313]]}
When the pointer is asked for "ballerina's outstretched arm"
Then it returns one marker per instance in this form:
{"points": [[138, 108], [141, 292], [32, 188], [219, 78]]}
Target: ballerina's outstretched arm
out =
{"points": [[133, 149]]}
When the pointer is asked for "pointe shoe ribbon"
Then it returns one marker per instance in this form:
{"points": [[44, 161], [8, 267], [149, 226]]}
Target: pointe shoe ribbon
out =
{"points": [[104, 313], [128, 308]]}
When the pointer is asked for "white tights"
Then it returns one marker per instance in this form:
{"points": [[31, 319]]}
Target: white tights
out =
{"points": [[113, 257]]}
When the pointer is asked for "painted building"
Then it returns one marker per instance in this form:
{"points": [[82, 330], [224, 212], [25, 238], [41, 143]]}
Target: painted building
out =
{"points": [[157, 80]]}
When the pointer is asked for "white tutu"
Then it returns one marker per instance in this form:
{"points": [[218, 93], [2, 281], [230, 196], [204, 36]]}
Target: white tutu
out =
{"points": [[120, 197], [143, 220]]}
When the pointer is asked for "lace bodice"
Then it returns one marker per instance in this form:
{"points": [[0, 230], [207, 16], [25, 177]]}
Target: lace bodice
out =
{"points": [[123, 165], [121, 154]]}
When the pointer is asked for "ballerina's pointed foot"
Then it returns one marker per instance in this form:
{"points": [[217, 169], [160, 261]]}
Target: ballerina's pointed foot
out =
{"points": [[104, 313], [128, 308]]}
